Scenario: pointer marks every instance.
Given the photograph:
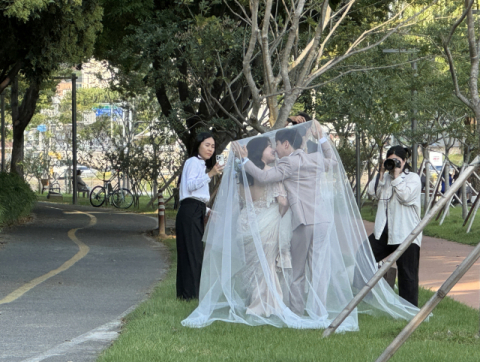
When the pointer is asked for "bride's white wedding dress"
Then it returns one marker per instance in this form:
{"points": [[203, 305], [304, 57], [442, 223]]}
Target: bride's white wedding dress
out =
{"points": [[264, 280]]}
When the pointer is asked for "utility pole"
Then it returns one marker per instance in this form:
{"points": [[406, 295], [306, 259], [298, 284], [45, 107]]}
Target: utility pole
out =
{"points": [[74, 134]]}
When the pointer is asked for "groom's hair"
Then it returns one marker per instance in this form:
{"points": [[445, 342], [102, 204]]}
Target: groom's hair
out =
{"points": [[291, 135]]}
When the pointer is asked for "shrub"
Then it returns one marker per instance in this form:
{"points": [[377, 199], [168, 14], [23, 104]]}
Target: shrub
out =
{"points": [[16, 198]]}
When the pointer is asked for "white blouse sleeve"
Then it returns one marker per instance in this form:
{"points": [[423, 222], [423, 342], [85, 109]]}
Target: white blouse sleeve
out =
{"points": [[407, 189]]}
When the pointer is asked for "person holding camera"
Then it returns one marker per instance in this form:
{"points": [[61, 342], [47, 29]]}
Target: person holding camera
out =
{"points": [[398, 213]]}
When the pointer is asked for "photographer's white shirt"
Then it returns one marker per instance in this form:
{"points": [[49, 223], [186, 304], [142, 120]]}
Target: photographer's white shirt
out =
{"points": [[401, 200]]}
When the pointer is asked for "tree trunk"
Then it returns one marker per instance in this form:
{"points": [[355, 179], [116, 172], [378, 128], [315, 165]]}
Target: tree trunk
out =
{"points": [[21, 117]]}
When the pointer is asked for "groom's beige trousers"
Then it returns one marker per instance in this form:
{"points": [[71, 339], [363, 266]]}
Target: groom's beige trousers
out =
{"points": [[301, 251]]}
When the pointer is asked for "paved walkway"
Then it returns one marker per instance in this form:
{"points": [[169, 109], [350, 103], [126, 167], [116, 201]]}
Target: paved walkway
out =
{"points": [[438, 259]]}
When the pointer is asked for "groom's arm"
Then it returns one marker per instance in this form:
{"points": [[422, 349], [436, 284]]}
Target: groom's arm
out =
{"points": [[278, 173]]}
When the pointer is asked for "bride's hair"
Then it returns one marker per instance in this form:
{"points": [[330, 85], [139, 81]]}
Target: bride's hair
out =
{"points": [[255, 152]]}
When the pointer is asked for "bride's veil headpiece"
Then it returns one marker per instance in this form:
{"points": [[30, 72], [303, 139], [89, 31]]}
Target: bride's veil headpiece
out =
{"points": [[288, 266]]}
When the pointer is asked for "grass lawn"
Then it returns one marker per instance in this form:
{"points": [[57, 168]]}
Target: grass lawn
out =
{"points": [[451, 229], [153, 333]]}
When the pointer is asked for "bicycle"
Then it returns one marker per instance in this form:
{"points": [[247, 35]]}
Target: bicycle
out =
{"points": [[121, 198]]}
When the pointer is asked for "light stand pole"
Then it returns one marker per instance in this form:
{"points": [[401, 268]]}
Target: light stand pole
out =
{"points": [[414, 109]]}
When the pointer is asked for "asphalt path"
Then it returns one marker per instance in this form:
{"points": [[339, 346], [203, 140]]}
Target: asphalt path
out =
{"points": [[69, 276]]}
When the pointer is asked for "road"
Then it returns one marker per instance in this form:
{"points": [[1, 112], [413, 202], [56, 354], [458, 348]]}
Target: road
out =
{"points": [[69, 276]]}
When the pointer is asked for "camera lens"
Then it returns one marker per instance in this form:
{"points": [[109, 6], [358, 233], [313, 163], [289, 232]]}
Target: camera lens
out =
{"points": [[389, 164]]}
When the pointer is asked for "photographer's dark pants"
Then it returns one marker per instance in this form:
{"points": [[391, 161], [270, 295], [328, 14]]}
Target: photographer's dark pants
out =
{"points": [[189, 228], [408, 265]]}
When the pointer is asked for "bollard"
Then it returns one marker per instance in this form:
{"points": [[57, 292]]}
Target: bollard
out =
{"points": [[161, 215]]}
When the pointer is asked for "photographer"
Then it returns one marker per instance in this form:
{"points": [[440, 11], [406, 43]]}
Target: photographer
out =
{"points": [[398, 213]]}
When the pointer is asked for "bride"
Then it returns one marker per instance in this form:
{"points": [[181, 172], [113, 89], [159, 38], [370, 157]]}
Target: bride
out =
{"points": [[273, 216], [244, 239]]}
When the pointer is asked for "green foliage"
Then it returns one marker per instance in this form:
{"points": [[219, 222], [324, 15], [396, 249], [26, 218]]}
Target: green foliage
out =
{"points": [[185, 53], [60, 32], [16, 198], [24, 9], [87, 100]]}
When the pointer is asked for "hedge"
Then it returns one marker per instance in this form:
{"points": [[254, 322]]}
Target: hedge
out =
{"points": [[16, 198]]}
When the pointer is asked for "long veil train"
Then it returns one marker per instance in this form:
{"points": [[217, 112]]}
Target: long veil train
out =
{"points": [[247, 269]]}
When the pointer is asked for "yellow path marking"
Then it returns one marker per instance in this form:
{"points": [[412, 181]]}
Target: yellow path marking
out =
{"points": [[83, 250]]}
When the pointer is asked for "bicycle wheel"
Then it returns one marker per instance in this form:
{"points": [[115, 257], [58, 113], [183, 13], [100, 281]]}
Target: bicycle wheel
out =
{"points": [[97, 196], [122, 198]]}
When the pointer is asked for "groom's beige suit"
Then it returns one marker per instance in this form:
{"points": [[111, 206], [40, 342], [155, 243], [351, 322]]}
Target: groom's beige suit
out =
{"points": [[299, 173]]}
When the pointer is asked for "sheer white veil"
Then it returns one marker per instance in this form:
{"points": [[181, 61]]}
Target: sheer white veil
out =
{"points": [[251, 255]]}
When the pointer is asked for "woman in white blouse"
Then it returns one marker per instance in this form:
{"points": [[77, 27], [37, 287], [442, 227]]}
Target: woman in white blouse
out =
{"points": [[398, 213], [194, 194]]}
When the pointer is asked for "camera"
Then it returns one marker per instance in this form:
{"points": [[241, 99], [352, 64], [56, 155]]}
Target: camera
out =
{"points": [[391, 163]]}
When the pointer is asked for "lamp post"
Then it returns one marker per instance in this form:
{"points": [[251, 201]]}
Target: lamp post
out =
{"points": [[414, 109], [74, 133]]}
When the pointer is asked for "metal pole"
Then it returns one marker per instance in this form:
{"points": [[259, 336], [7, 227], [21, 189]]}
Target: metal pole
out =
{"points": [[427, 185], [400, 250], [466, 264], [358, 188], [74, 136], [414, 121], [3, 131], [161, 215]]}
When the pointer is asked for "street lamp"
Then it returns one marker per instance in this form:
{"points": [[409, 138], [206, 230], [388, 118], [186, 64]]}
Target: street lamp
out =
{"points": [[74, 133], [414, 110]]}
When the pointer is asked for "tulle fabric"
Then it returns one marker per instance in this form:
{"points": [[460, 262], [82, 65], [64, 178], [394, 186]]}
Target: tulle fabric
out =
{"points": [[247, 268]]}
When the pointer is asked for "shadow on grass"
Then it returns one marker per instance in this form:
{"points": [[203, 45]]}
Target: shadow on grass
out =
{"points": [[153, 332]]}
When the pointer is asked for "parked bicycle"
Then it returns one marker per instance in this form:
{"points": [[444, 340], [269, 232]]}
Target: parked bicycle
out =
{"points": [[121, 198]]}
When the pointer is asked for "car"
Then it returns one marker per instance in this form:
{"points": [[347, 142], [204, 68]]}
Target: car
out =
{"points": [[87, 172], [62, 171]]}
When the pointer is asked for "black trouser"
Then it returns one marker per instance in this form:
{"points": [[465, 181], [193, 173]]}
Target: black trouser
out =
{"points": [[189, 228], [407, 264]]}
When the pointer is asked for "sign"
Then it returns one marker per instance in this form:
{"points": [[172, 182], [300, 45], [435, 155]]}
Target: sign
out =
{"points": [[108, 111], [42, 128], [436, 158]]}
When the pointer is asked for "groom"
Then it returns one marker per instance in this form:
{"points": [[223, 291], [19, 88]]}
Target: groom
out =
{"points": [[298, 171]]}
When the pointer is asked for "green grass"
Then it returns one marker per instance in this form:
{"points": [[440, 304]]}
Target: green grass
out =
{"points": [[451, 229], [153, 333]]}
